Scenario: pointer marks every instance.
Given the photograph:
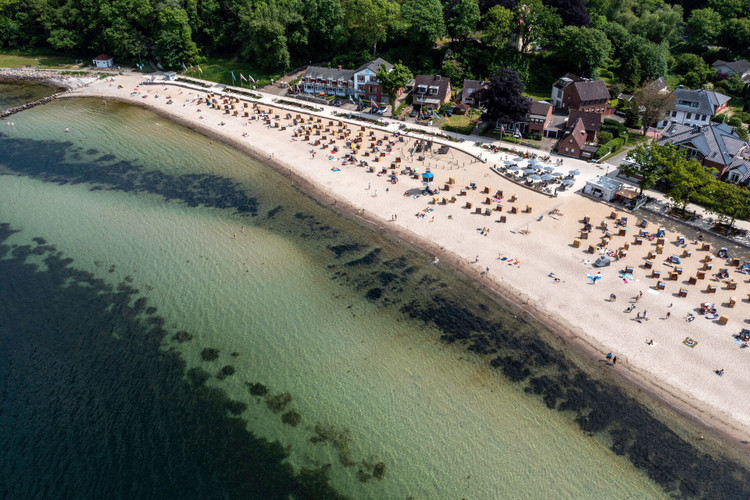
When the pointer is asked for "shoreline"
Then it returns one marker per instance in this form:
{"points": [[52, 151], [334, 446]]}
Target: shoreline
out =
{"points": [[695, 412]]}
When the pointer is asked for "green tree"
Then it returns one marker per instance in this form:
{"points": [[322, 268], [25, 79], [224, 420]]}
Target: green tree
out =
{"points": [[372, 19], [392, 81], [325, 22], [535, 24], [735, 34], [265, 34], [651, 163], [632, 73], [586, 49], [174, 43], [464, 18], [728, 201], [704, 26], [689, 182], [425, 23], [498, 25], [728, 9], [653, 104]]}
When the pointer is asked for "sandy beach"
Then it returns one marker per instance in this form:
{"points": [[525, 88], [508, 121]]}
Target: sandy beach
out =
{"points": [[529, 259]]}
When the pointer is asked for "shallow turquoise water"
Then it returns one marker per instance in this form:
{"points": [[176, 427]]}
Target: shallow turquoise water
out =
{"points": [[321, 353]]}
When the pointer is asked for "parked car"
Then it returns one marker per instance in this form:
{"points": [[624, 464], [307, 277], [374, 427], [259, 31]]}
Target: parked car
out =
{"points": [[413, 113]]}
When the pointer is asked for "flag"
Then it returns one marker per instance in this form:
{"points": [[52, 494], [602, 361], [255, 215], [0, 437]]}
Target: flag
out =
{"points": [[502, 129], [199, 69], [372, 101], [184, 67], [435, 115], [233, 78], [351, 100], [192, 70], [251, 78], [242, 77]]}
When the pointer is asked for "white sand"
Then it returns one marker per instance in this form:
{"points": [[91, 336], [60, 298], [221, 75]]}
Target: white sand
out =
{"points": [[682, 376]]}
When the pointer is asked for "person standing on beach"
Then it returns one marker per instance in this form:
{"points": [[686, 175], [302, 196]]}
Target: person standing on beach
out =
{"points": [[614, 360]]}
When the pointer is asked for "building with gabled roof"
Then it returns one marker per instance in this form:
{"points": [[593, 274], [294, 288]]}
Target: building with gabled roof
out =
{"points": [[360, 83], [470, 91], [592, 123], [574, 143], [716, 145], [430, 91], [695, 107], [726, 69], [587, 95], [103, 61]]}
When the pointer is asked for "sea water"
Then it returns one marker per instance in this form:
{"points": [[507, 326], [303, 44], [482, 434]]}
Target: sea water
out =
{"points": [[178, 320]]}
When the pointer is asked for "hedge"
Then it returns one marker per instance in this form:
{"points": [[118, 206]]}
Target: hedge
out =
{"points": [[612, 146]]}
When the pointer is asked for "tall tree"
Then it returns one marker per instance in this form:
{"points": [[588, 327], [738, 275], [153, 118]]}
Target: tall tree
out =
{"points": [[572, 12], [498, 25], [463, 19], [372, 19], [729, 201], [653, 103], [689, 182], [704, 26], [174, 43], [392, 81], [535, 24], [735, 34], [503, 100], [425, 23], [586, 49]]}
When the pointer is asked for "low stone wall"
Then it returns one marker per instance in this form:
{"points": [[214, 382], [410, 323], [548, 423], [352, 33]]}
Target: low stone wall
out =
{"points": [[16, 109]]}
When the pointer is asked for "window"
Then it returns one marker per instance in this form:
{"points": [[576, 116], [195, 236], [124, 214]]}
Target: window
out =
{"points": [[674, 114], [360, 78], [688, 116], [566, 150]]}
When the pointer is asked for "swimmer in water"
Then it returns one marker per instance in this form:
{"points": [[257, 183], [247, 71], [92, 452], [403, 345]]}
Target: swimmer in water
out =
{"points": [[67, 129]]}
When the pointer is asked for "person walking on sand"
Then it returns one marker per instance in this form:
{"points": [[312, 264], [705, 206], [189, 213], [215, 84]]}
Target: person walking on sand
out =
{"points": [[614, 360], [609, 356]]}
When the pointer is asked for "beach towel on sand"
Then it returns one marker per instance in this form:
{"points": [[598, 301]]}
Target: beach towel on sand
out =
{"points": [[690, 342]]}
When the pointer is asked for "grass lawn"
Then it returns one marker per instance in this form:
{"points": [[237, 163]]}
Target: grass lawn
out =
{"points": [[458, 123], [19, 59], [220, 70]]}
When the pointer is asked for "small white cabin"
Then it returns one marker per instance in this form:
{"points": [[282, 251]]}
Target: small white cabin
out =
{"points": [[104, 61]]}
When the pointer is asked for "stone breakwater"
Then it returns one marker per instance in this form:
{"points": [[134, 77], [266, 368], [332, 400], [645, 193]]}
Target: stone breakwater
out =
{"points": [[16, 109]]}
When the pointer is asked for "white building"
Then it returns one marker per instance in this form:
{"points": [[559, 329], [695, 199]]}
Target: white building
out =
{"points": [[695, 107], [104, 61]]}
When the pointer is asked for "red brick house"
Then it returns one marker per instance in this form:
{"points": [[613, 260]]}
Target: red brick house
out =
{"points": [[538, 118], [573, 142], [587, 95], [430, 91], [592, 123]]}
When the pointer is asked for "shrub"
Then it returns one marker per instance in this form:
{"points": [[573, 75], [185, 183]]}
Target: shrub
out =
{"points": [[719, 118], [604, 137], [615, 144], [601, 152], [745, 117], [735, 121]]}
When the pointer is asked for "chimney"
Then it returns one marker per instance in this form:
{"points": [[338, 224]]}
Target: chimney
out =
{"points": [[339, 67], [437, 77]]}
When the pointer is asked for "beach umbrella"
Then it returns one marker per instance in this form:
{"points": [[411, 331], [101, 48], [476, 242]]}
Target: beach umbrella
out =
{"points": [[535, 177], [529, 171], [557, 174], [514, 168], [547, 177], [533, 162], [574, 172], [548, 169], [517, 159], [568, 182], [508, 162]]}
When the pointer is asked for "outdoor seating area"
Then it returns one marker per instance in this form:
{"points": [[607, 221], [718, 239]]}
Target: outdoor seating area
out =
{"points": [[536, 175]]}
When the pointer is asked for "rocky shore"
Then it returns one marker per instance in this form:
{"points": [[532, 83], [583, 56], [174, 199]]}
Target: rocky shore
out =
{"points": [[56, 78]]}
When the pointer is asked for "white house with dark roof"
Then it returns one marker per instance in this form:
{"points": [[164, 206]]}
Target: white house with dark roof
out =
{"points": [[103, 61], [716, 145], [740, 68], [360, 83], [695, 107]]}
